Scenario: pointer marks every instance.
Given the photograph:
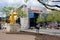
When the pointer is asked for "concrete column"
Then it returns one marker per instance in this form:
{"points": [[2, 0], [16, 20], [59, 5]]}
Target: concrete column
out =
{"points": [[25, 21]]}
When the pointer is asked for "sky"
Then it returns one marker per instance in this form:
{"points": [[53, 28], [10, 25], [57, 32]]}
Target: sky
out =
{"points": [[10, 2], [18, 3]]}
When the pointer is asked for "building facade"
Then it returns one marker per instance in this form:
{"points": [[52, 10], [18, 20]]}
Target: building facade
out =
{"points": [[33, 13]]}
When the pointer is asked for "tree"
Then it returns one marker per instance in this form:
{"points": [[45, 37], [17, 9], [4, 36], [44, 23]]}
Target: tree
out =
{"points": [[39, 20], [50, 18], [7, 10], [56, 16], [20, 12], [48, 6]]}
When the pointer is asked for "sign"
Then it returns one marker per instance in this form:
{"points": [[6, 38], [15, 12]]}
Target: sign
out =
{"points": [[37, 11]]}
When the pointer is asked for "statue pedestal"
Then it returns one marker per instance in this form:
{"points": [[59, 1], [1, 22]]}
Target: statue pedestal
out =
{"points": [[12, 28]]}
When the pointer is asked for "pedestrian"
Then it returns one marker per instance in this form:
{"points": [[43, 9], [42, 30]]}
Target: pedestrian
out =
{"points": [[18, 20], [0, 25], [38, 27]]}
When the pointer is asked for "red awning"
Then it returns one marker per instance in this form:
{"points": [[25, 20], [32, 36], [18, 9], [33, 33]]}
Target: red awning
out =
{"points": [[36, 10]]}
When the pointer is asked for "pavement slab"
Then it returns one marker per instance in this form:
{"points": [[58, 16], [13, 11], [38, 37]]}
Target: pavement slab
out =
{"points": [[54, 32]]}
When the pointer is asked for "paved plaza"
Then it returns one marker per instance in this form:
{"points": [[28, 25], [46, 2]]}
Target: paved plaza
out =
{"points": [[4, 36], [27, 34], [54, 32]]}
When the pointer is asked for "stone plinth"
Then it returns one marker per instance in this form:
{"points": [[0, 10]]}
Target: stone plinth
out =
{"points": [[11, 28]]}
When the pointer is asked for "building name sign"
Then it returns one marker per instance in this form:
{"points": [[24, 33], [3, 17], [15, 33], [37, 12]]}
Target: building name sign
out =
{"points": [[37, 11]]}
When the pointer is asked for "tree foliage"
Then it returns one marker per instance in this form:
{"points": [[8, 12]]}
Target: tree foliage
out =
{"points": [[39, 19], [50, 18], [56, 16], [20, 12], [7, 10]]}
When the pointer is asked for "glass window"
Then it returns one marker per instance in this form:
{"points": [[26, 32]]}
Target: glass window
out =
{"points": [[31, 15]]}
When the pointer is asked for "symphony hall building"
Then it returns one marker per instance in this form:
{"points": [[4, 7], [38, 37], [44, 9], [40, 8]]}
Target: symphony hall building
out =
{"points": [[32, 14]]}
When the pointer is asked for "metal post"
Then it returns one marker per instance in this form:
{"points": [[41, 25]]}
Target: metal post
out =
{"points": [[37, 31]]}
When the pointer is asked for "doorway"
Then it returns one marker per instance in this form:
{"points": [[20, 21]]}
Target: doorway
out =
{"points": [[32, 19]]}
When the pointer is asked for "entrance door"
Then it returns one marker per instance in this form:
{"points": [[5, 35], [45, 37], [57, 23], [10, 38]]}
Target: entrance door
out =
{"points": [[36, 16], [32, 19]]}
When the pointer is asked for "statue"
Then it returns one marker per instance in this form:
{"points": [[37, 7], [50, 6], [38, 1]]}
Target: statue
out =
{"points": [[12, 26], [13, 17]]}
